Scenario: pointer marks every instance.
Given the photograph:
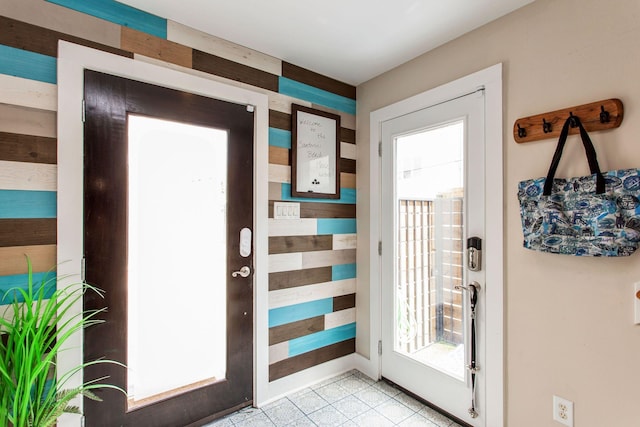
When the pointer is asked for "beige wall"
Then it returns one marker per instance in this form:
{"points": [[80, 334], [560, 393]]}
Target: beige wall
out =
{"points": [[569, 320]]}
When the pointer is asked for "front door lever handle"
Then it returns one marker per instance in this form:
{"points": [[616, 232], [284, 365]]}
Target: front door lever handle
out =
{"points": [[245, 271]]}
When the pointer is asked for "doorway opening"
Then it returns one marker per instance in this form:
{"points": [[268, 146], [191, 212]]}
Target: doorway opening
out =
{"points": [[72, 61], [490, 82]]}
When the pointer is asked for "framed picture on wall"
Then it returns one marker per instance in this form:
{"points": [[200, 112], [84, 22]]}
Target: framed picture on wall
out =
{"points": [[315, 152]]}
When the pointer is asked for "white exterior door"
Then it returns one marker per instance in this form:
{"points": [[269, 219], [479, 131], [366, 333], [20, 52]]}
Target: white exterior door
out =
{"points": [[432, 202]]}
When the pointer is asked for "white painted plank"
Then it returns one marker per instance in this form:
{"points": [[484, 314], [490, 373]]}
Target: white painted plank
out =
{"points": [[285, 262], [277, 102], [27, 176], [317, 291], [28, 121], [191, 37], [327, 258], [278, 352], [293, 227], [279, 173], [283, 103], [339, 318], [65, 20], [348, 151], [347, 120], [28, 93], [344, 241]]}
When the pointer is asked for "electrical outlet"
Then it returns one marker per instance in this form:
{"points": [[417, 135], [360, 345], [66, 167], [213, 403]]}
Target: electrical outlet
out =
{"points": [[563, 411]]}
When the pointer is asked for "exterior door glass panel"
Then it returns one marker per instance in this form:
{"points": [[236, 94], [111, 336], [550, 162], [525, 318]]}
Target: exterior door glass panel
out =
{"points": [[429, 202], [175, 219]]}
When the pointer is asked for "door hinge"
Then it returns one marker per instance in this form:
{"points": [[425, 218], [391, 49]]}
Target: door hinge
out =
{"points": [[82, 421], [83, 269], [380, 247], [380, 348], [380, 149], [83, 111]]}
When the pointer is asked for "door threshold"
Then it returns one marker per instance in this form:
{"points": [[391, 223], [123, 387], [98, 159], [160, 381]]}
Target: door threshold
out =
{"points": [[133, 404], [220, 414], [426, 402]]}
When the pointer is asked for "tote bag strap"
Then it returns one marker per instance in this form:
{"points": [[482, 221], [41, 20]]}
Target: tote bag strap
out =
{"points": [[589, 150]]}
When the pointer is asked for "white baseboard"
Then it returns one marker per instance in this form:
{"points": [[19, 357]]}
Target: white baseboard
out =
{"points": [[366, 366]]}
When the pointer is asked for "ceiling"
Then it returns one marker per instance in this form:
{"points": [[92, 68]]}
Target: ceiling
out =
{"points": [[349, 40]]}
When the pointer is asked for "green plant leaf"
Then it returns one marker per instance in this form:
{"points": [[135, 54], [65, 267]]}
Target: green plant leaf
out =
{"points": [[34, 328]]}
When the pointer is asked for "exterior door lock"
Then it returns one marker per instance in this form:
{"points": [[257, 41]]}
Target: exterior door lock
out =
{"points": [[474, 253]]}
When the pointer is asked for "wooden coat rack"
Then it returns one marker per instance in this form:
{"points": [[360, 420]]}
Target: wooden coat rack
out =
{"points": [[594, 116]]}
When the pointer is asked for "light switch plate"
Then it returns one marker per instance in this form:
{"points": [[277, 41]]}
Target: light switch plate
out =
{"points": [[636, 303], [286, 210]]}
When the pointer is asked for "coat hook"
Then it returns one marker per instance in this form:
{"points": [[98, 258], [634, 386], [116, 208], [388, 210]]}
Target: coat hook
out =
{"points": [[546, 126], [522, 132], [605, 117], [573, 123]]}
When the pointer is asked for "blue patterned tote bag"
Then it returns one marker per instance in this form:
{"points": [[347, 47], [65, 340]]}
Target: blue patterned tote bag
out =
{"points": [[594, 215]]}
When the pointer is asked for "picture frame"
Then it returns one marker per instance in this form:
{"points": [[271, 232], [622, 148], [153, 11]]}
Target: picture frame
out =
{"points": [[315, 153]]}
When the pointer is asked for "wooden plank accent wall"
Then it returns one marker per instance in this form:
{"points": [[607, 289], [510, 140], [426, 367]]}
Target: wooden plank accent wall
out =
{"points": [[155, 47], [288, 244], [28, 148], [317, 80], [322, 210], [313, 259], [207, 43], [307, 360], [232, 70], [344, 302], [27, 232], [292, 279], [37, 39], [279, 156], [297, 329], [279, 120]]}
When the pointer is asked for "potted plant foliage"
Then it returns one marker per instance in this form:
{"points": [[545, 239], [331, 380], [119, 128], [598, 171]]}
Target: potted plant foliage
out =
{"points": [[36, 324]]}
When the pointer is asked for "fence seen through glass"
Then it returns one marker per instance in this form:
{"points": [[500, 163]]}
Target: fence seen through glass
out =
{"points": [[430, 212]]}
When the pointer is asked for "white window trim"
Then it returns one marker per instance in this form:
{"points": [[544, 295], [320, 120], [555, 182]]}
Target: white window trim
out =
{"points": [[72, 61], [491, 80]]}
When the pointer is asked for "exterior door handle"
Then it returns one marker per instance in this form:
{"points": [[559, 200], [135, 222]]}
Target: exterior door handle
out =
{"points": [[245, 271]]}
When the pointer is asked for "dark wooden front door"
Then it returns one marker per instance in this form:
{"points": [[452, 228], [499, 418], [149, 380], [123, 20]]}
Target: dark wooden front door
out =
{"points": [[110, 102]]}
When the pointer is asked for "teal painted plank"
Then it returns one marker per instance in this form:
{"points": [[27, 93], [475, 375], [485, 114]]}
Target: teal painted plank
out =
{"points": [[336, 226], [9, 283], [347, 196], [321, 339], [28, 65], [343, 271], [119, 13], [27, 204], [293, 313], [317, 96], [280, 138]]}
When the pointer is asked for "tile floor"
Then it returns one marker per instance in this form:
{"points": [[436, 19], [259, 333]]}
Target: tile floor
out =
{"points": [[350, 399]]}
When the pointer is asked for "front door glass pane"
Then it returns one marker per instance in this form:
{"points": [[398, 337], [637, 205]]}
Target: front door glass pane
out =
{"points": [[177, 260], [429, 210]]}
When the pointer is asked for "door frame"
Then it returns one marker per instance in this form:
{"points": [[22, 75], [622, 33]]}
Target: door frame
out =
{"points": [[491, 80], [72, 60]]}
